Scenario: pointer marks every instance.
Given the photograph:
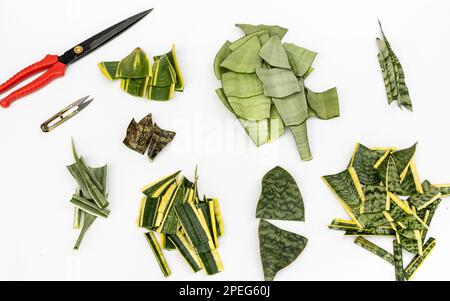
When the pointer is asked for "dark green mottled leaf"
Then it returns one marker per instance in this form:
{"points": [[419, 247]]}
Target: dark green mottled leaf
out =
{"points": [[363, 162], [393, 74], [280, 197], [423, 200], [375, 198], [342, 184], [398, 261], [403, 157], [278, 248]]}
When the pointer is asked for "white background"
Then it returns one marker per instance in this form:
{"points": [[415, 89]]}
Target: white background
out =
{"points": [[36, 237]]}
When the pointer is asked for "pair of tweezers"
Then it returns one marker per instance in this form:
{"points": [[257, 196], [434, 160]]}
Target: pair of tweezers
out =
{"points": [[65, 114]]}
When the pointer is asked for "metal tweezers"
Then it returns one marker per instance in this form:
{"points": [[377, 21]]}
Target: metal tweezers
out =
{"points": [[65, 114]]}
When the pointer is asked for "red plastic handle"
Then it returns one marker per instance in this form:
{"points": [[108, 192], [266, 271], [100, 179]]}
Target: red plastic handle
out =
{"points": [[57, 70], [45, 63]]}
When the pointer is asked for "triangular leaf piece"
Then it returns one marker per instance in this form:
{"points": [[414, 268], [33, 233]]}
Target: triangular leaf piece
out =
{"points": [[278, 248]]}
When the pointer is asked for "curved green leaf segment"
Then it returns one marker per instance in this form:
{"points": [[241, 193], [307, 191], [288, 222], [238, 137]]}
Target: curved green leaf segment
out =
{"points": [[393, 74], [278, 248], [280, 197], [90, 198], [192, 225], [139, 78], [262, 85], [381, 192], [147, 136]]}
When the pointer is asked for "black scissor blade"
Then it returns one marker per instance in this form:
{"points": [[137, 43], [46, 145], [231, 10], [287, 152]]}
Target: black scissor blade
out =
{"points": [[101, 38]]}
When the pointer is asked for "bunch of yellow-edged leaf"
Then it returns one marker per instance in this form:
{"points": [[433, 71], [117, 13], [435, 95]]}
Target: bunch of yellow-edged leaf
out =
{"points": [[139, 78], [172, 207], [381, 192]]}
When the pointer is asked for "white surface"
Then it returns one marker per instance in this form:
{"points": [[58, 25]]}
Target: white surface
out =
{"points": [[35, 213]]}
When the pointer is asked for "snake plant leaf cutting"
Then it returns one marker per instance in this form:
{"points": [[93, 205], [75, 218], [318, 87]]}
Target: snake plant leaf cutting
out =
{"points": [[192, 225], [160, 138], [90, 198], [139, 78], [278, 248], [263, 86], [280, 197], [147, 136], [393, 74], [156, 249], [381, 192]]}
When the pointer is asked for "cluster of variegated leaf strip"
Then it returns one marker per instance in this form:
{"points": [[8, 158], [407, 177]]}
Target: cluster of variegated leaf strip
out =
{"points": [[382, 194], [393, 75], [263, 85], [281, 200], [90, 197], [139, 78], [147, 136], [172, 207]]}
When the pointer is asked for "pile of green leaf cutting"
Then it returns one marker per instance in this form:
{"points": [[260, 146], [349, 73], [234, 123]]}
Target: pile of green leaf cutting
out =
{"points": [[172, 207], [90, 198], [381, 192], [139, 78], [280, 200], [263, 86]]}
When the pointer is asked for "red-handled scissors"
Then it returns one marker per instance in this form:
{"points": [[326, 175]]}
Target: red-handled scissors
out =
{"points": [[56, 65]]}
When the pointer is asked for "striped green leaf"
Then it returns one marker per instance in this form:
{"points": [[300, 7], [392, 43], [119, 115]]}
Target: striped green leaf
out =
{"points": [[156, 249], [135, 65]]}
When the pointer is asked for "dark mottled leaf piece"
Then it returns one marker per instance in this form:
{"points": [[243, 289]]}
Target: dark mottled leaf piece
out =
{"points": [[393, 74], [376, 197], [280, 197], [139, 134], [403, 157], [342, 184], [363, 161], [423, 200], [160, 138], [278, 248]]}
